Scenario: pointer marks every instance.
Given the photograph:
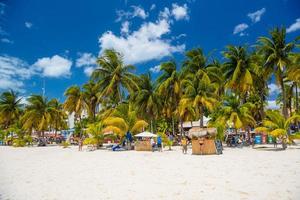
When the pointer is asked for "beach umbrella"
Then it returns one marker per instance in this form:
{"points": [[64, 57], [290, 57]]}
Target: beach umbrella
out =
{"points": [[146, 134]]}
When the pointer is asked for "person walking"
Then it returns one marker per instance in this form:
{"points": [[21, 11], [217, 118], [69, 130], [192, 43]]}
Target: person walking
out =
{"points": [[80, 144], [184, 143], [159, 143]]}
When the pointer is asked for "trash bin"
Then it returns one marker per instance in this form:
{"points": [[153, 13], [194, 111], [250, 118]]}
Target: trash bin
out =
{"points": [[257, 139], [270, 139]]}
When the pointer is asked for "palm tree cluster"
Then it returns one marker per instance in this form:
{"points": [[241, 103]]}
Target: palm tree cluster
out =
{"points": [[231, 91]]}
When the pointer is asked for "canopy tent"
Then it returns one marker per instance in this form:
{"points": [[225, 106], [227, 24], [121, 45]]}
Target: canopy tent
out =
{"points": [[146, 134]]}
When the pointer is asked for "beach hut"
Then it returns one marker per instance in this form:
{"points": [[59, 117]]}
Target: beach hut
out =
{"points": [[143, 143], [203, 141]]}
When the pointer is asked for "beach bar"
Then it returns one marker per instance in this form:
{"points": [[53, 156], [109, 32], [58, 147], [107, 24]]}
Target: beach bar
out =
{"points": [[203, 141], [143, 141]]}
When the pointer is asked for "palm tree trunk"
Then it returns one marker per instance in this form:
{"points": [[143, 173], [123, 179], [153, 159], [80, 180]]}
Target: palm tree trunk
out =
{"points": [[201, 117], [284, 109], [181, 126]]}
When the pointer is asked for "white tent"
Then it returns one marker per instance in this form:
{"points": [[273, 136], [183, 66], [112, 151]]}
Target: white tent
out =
{"points": [[146, 134]]}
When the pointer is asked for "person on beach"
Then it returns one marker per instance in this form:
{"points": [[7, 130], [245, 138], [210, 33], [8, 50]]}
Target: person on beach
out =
{"points": [[152, 143], [184, 143], [80, 144], [275, 142], [159, 144]]}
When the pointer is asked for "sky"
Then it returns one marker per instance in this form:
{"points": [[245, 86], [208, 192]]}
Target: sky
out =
{"points": [[55, 43]]}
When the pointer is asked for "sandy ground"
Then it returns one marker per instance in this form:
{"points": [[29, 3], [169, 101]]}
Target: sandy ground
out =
{"points": [[62, 174]]}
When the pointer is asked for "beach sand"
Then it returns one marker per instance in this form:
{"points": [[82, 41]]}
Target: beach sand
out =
{"points": [[54, 173]]}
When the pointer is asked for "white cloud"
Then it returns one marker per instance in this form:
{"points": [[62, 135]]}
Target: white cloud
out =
{"points": [[89, 70], [142, 45], [125, 27], [165, 14], [13, 71], [294, 27], [86, 59], [28, 25], [56, 66], [180, 12], [155, 69], [136, 11], [272, 105], [153, 6], [273, 89], [240, 28], [5, 40], [256, 16]]}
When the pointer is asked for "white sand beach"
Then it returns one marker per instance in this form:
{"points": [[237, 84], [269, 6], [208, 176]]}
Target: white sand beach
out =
{"points": [[53, 173]]}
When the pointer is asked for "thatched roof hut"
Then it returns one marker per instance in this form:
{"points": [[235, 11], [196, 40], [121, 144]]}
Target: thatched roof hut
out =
{"points": [[202, 132]]}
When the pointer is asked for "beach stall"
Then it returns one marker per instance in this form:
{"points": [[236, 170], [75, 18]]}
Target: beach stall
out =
{"points": [[143, 142], [203, 141]]}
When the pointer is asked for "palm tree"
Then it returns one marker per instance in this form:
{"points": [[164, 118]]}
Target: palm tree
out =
{"points": [[195, 61], [276, 125], [147, 101], [10, 108], [124, 119], [199, 92], [58, 115], [235, 114], [38, 114], [114, 78], [74, 101], [169, 88], [276, 51], [90, 91], [237, 70], [293, 74]]}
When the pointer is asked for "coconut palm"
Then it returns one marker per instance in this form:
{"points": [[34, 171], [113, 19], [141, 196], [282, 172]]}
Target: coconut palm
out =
{"points": [[90, 91], [10, 108], [38, 114], [237, 70], [293, 74], [199, 92], [276, 52], [276, 125], [147, 101], [74, 102], [169, 89], [114, 77], [235, 114], [195, 61], [58, 116], [124, 119]]}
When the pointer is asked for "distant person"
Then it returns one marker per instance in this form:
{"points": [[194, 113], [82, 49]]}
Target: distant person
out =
{"points": [[159, 143], [152, 142], [80, 144], [275, 142], [184, 143]]}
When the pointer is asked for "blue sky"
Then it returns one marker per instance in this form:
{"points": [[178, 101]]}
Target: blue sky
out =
{"points": [[57, 41]]}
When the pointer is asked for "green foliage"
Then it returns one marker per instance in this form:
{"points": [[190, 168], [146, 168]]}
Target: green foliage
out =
{"points": [[65, 144], [19, 142]]}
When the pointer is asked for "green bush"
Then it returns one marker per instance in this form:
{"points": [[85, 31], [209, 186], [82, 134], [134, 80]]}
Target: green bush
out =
{"points": [[19, 143], [65, 144], [90, 141]]}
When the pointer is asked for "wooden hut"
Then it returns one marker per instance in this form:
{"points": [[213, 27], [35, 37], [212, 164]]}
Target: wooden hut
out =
{"points": [[203, 141], [143, 143]]}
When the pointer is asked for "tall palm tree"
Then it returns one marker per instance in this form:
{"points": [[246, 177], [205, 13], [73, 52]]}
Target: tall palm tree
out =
{"points": [[90, 91], [124, 119], [10, 108], [199, 92], [195, 61], [147, 101], [237, 70], [293, 74], [275, 50], [114, 77], [58, 115], [74, 101], [38, 114], [169, 88]]}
